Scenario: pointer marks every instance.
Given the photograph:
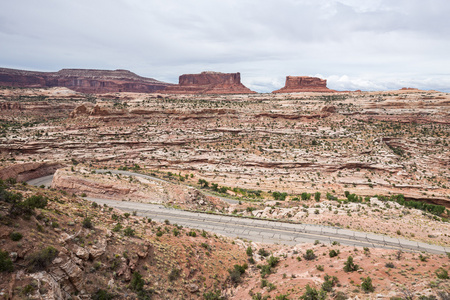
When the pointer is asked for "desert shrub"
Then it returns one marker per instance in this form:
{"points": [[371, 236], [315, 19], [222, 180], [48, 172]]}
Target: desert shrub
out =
{"points": [[40, 260], [176, 232], [329, 283], [117, 227], [213, 295], [265, 270], [442, 273], [423, 258], [102, 295], [136, 283], [94, 205], [258, 296], [9, 197], [279, 196], [282, 297], [389, 265], [236, 273], [333, 253], [6, 264], [366, 285], [35, 201], [174, 274], [87, 222], [263, 252], [126, 215], [309, 255], [317, 196], [128, 231], [16, 236], [249, 251], [306, 196], [320, 267], [273, 261], [313, 294], [349, 266]]}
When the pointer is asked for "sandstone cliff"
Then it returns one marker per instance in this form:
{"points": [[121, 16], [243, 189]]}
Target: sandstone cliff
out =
{"points": [[83, 80], [209, 83], [296, 84]]}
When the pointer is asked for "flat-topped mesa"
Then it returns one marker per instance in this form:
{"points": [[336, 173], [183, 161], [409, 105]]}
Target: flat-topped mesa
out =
{"points": [[82, 80], [209, 83], [297, 84]]}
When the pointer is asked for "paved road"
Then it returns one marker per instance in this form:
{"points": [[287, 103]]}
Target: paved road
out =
{"points": [[260, 230]]}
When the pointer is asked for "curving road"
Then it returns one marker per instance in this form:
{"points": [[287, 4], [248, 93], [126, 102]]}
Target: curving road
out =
{"points": [[258, 230]]}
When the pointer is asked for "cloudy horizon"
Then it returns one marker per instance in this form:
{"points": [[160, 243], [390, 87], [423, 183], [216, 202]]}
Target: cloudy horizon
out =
{"points": [[365, 45]]}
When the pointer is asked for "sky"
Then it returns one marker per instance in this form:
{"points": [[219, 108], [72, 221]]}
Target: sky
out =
{"points": [[367, 45]]}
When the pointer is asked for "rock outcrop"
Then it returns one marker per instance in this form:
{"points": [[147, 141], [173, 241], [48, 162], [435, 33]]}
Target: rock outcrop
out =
{"points": [[82, 80], [28, 171], [296, 84], [209, 83]]}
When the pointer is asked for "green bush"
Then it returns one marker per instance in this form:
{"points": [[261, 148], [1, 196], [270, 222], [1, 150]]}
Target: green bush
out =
{"points": [[366, 285], [128, 231], [213, 295], [6, 264], [136, 283], [174, 274], [442, 273], [313, 294], [329, 283], [87, 223], [102, 295], [333, 253], [273, 261], [40, 260], [249, 251], [309, 255], [349, 266], [263, 252], [236, 273], [317, 196], [117, 227], [16, 236]]}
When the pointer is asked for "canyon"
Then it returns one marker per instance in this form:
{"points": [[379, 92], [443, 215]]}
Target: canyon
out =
{"points": [[339, 160]]}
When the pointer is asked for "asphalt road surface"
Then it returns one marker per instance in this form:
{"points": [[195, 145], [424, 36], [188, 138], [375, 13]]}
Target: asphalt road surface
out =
{"points": [[265, 231]]}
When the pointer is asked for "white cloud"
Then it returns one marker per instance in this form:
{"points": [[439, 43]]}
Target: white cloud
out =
{"points": [[373, 44]]}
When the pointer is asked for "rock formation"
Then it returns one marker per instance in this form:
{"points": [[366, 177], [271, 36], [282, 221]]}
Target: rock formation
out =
{"points": [[82, 80], [209, 83], [296, 84]]}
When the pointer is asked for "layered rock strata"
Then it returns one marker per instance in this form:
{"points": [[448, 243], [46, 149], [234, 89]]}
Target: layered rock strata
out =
{"points": [[82, 80], [296, 84], [209, 83]]}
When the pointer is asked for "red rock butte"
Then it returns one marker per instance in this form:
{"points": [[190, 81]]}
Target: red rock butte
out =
{"points": [[209, 83], [82, 80], [297, 84]]}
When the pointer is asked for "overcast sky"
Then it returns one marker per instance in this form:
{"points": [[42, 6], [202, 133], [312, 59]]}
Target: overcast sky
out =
{"points": [[354, 44]]}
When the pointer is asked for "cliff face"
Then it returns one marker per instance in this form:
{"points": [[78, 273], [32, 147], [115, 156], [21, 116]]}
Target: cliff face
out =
{"points": [[295, 84], [83, 80], [209, 83]]}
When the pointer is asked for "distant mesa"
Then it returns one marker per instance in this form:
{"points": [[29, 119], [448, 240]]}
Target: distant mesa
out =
{"points": [[209, 83], [82, 80], [297, 84]]}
